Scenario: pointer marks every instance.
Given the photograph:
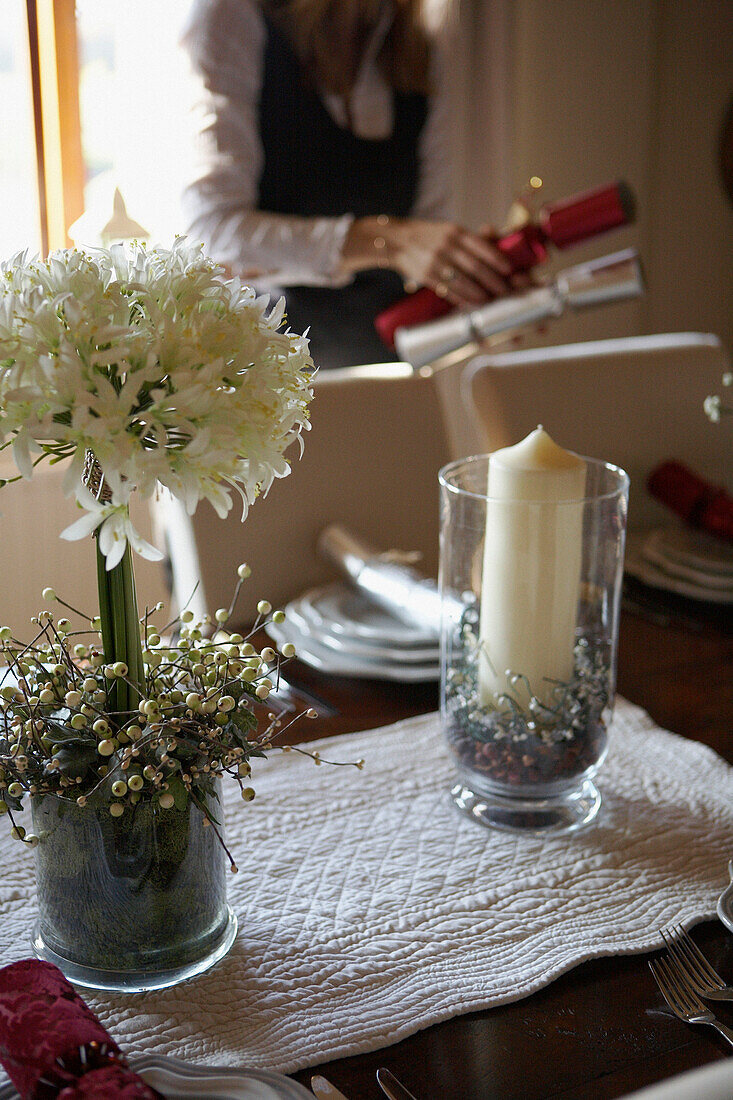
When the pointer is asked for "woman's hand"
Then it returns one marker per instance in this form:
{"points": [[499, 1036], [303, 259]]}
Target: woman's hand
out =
{"points": [[459, 265], [464, 267]]}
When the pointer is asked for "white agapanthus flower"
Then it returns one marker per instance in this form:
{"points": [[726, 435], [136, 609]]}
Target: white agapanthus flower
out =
{"points": [[155, 362], [115, 528]]}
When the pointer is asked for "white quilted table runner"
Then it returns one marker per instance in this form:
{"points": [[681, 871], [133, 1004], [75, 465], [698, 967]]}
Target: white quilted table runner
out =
{"points": [[369, 907]]}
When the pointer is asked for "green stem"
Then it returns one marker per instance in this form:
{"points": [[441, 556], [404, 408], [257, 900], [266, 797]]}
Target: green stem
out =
{"points": [[105, 612], [121, 632], [134, 659]]}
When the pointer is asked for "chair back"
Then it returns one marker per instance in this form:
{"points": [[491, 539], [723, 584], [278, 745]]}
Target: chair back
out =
{"points": [[634, 402], [370, 463]]}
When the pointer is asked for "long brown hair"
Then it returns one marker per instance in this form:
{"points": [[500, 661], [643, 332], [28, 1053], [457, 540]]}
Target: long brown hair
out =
{"points": [[317, 28]]}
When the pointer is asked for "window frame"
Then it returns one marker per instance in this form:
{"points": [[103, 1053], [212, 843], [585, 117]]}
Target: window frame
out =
{"points": [[54, 67]]}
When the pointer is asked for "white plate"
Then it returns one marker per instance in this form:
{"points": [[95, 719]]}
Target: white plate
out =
{"points": [[176, 1080], [695, 549], [707, 573], [725, 902], [347, 664], [358, 647], [343, 611], [637, 566]]}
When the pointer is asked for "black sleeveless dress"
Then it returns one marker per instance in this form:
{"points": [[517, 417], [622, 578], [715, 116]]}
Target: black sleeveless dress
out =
{"points": [[313, 167]]}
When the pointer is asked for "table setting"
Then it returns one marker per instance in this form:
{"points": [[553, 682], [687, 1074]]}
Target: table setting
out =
{"points": [[339, 630], [692, 557], [697, 567], [209, 890], [346, 945]]}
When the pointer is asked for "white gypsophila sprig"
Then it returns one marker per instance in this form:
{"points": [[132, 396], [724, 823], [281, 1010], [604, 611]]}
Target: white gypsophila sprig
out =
{"points": [[716, 406], [155, 362]]}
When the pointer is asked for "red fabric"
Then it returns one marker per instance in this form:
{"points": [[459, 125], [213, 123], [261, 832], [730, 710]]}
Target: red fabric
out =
{"points": [[695, 500], [110, 1081], [49, 1039], [717, 516]]}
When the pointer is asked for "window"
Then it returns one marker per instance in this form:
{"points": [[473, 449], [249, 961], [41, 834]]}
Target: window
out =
{"points": [[20, 215], [135, 90], [95, 95]]}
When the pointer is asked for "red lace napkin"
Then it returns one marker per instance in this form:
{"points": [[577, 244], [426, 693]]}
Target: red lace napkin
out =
{"points": [[698, 502], [53, 1046]]}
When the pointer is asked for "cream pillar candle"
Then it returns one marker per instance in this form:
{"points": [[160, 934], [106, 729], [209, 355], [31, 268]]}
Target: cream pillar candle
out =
{"points": [[531, 569]]}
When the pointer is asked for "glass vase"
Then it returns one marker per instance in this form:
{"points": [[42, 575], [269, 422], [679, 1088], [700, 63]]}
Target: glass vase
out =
{"points": [[530, 606], [129, 903]]}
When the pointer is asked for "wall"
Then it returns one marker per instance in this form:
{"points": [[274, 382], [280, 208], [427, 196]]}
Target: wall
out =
{"points": [[482, 86], [33, 556], [690, 224], [632, 89]]}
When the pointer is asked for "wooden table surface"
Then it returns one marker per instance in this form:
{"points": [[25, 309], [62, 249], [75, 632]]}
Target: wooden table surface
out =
{"points": [[599, 1031]]}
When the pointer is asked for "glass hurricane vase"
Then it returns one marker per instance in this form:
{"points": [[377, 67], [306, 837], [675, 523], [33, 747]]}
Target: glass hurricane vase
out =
{"points": [[129, 903], [530, 606]]}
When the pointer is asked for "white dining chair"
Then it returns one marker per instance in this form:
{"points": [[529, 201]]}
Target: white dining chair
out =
{"points": [[370, 464], [462, 425], [634, 402]]}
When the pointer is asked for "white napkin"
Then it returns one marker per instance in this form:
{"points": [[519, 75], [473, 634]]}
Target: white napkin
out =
{"points": [[370, 908]]}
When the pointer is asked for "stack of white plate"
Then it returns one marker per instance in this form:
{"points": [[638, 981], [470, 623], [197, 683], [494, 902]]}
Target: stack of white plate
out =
{"points": [[338, 629], [690, 563]]}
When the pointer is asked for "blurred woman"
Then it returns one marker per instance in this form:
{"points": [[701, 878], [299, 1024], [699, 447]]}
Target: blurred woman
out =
{"points": [[326, 169]]}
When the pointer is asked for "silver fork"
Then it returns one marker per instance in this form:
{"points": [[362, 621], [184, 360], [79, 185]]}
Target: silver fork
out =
{"points": [[695, 968], [685, 1003]]}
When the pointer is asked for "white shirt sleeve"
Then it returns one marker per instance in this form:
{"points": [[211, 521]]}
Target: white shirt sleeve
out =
{"points": [[226, 41]]}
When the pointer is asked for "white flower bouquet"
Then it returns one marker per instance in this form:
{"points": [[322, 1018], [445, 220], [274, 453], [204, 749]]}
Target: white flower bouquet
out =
{"points": [[166, 372], [140, 369]]}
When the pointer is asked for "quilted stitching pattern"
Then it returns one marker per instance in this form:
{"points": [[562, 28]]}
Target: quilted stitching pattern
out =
{"points": [[369, 908]]}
